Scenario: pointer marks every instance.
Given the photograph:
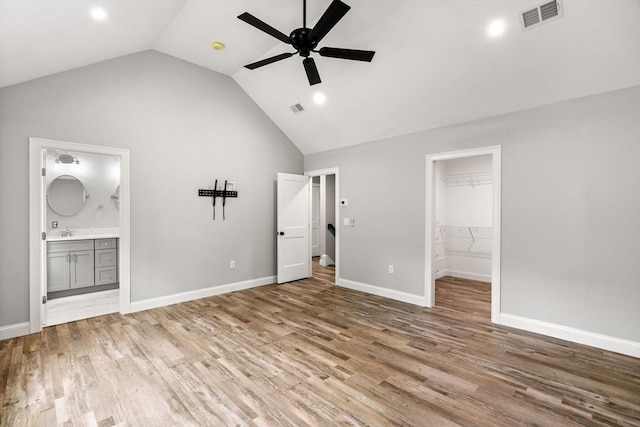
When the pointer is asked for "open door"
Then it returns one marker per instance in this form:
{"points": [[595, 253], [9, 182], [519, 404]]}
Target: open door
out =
{"points": [[43, 242], [293, 233]]}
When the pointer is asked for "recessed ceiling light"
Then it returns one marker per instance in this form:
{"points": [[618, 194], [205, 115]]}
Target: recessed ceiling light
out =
{"points": [[496, 28], [319, 98], [98, 13], [216, 45]]}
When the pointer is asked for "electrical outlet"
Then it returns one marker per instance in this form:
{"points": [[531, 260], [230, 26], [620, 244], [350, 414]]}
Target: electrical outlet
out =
{"points": [[390, 269], [54, 224], [232, 264]]}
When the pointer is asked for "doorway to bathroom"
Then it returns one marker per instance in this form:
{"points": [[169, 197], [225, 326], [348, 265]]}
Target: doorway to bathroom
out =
{"points": [[79, 231], [463, 223]]}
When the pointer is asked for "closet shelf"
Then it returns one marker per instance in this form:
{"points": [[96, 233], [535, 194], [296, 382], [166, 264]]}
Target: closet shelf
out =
{"points": [[467, 241], [468, 179]]}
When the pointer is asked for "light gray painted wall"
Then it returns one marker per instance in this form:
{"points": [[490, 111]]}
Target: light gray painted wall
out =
{"points": [[570, 209], [185, 127]]}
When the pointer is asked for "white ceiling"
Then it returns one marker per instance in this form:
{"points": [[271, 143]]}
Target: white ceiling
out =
{"points": [[434, 64]]}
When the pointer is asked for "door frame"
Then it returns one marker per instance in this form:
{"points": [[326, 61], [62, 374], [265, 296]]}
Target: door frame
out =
{"points": [[37, 218], [321, 238], [333, 171], [430, 217]]}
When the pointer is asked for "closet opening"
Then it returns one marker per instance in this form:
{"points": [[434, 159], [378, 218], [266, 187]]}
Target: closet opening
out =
{"points": [[463, 231]]}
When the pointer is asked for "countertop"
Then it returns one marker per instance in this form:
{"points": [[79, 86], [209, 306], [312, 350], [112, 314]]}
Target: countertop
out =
{"points": [[83, 234]]}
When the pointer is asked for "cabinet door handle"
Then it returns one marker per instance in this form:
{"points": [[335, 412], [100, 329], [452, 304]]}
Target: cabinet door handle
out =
{"points": [[74, 257]]}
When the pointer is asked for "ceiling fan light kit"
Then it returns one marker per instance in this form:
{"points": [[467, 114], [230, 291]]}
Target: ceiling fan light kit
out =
{"points": [[305, 40]]}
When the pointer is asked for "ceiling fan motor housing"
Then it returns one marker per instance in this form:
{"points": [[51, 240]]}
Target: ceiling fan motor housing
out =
{"points": [[302, 42]]}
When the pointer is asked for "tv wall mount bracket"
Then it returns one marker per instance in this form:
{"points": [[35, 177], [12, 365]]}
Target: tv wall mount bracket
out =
{"points": [[215, 193]]}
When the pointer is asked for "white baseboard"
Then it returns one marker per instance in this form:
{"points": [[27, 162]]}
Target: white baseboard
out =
{"points": [[15, 330], [199, 293], [468, 276], [325, 260], [605, 342], [441, 274], [383, 292]]}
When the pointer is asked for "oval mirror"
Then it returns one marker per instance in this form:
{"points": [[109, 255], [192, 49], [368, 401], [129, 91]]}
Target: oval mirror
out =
{"points": [[66, 195]]}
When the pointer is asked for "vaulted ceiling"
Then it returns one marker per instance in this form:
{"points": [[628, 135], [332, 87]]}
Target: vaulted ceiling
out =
{"points": [[435, 64]]}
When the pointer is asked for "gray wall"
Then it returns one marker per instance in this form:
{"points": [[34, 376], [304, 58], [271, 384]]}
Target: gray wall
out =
{"points": [[185, 127], [570, 209]]}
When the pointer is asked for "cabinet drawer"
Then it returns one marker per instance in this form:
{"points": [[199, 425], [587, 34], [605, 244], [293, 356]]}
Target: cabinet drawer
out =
{"points": [[106, 243], [106, 257], [106, 275], [70, 245]]}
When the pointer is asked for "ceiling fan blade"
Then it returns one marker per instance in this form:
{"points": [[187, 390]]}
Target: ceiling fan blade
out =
{"points": [[312, 71], [356, 55], [268, 61], [263, 26], [329, 19]]}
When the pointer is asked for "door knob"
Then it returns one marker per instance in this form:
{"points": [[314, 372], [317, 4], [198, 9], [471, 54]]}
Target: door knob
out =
{"points": [[280, 233]]}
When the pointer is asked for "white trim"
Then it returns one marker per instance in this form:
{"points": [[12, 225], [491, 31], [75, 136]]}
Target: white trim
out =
{"points": [[605, 342], [382, 292], [322, 217], [200, 293], [15, 330], [466, 275], [429, 280], [37, 263], [325, 260], [336, 172]]}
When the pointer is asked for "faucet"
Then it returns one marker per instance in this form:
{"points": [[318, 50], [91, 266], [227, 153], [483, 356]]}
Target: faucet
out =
{"points": [[67, 232]]}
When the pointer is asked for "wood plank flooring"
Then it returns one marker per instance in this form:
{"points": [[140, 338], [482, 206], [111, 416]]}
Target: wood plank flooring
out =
{"points": [[310, 353]]}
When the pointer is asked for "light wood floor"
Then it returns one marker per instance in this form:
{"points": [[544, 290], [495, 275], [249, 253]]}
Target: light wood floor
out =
{"points": [[310, 353]]}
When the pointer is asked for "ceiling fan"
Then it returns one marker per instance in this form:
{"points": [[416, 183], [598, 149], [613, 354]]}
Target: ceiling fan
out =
{"points": [[305, 40]]}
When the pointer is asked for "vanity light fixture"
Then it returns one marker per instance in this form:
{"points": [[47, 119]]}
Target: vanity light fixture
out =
{"points": [[67, 159]]}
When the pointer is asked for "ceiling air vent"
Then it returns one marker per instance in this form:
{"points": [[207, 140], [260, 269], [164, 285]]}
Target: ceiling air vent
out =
{"points": [[540, 14], [297, 108]]}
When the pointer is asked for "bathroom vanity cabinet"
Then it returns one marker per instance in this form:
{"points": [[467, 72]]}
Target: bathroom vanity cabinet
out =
{"points": [[73, 264], [70, 265], [106, 261]]}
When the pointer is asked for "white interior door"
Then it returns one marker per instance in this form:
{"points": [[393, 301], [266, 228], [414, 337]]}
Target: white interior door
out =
{"points": [[293, 233], [43, 242], [316, 242]]}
